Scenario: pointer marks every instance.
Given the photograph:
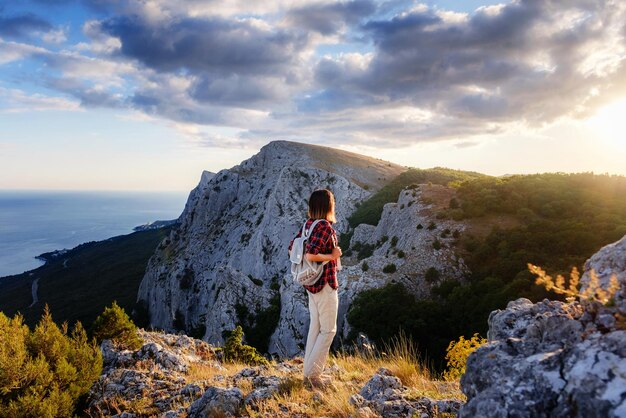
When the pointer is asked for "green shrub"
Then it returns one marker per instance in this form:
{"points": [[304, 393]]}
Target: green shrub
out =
{"points": [[46, 372], [236, 351], [432, 226], [394, 241], [432, 275], [401, 254], [259, 327], [344, 240], [363, 250], [389, 268], [113, 324], [365, 266], [456, 214], [420, 226], [437, 244]]}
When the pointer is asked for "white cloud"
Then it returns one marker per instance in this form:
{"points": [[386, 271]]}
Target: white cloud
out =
{"points": [[14, 100], [15, 51], [55, 36]]}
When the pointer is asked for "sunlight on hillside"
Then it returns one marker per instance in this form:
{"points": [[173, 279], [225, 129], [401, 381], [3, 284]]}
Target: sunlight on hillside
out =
{"points": [[610, 124]]}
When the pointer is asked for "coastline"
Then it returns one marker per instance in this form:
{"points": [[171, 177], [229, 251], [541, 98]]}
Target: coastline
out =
{"points": [[50, 256]]}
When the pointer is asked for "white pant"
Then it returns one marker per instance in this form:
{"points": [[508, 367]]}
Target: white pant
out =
{"points": [[323, 309]]}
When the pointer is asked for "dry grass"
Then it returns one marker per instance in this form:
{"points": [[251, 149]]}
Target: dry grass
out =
{"points": [[348, 372], [438, 196], [402, 358], [206, 371], [141, 406]]}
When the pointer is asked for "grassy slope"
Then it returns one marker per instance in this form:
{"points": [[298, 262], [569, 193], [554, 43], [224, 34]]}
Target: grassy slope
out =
{"points": [[97, 273]]}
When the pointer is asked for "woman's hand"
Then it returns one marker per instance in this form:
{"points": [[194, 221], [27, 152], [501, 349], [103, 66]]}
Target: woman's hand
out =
{"points": [[324, 257]]}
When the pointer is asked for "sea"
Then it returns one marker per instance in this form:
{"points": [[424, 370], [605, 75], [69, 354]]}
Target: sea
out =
{"points": [[35, 222]]}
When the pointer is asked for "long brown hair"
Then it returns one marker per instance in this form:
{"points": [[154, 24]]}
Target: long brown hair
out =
{"points": [[322, 205]]}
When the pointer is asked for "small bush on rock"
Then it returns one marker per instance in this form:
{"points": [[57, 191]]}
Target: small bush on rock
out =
{"points": [[389, 268], [236, 351], [432, 275], [114, 324], [457, 354]]}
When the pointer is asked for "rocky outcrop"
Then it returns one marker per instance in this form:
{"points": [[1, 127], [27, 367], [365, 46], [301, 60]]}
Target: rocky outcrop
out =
{"points": [[177, 376], [384, 395], [226, 263], [409, 237], [152, 378], [217, 402], [555, 359]]}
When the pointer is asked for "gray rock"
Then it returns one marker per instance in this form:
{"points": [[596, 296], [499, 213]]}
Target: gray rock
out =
{"points": [[157, 373], [191, 390], [552, 359], [383, 385], [400, 220], [365, 412], [217, 402], [163, 358], [609, 261], [385, 394]]}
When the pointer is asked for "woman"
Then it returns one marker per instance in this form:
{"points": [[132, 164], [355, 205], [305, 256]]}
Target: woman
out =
{"points": [[323, 300]]}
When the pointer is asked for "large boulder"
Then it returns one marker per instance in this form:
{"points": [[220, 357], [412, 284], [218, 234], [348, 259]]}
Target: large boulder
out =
{"points": [[555, 359], [217, 402], [385, 396]]}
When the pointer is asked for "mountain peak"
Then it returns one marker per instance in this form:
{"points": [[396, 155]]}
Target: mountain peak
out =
{"points": [[360, 169]]}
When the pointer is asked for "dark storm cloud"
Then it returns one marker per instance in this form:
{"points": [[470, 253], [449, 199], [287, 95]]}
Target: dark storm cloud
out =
{"points": [[23, 25], [234, 62], [330, 18], [213, 45]]}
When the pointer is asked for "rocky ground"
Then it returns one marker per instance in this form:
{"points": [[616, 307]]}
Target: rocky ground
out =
{"points": [[556, 359], [178, 376]]}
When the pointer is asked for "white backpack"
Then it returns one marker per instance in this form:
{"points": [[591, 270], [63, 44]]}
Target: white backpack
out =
{"points": [[304, 272]]}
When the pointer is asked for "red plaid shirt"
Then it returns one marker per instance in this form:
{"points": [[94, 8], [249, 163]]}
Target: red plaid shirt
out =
{"points": [[321, 241]]}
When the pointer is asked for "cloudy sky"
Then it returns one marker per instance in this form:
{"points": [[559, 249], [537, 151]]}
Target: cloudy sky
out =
{"points": [[145, 94]]}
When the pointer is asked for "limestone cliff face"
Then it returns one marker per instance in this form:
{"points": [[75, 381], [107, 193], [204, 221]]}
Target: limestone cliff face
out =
{"points": [[229, 254], [409, 238]]}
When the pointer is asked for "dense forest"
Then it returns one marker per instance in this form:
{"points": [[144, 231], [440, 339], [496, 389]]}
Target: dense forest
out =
{"points": [[78, 285], [562, 220]]}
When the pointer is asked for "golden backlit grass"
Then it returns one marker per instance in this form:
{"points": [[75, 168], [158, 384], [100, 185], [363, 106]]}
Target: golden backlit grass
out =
{"points": [[206, 371], [348, 373]]}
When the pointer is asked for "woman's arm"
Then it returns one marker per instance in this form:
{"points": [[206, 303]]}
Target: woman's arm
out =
{"points": [[324, 257]]}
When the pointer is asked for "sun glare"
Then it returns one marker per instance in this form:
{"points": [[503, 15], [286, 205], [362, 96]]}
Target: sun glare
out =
{"points": [[610, 123]]}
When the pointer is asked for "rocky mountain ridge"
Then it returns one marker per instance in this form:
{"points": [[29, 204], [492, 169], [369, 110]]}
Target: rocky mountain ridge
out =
{"points": [[227, 261]]}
